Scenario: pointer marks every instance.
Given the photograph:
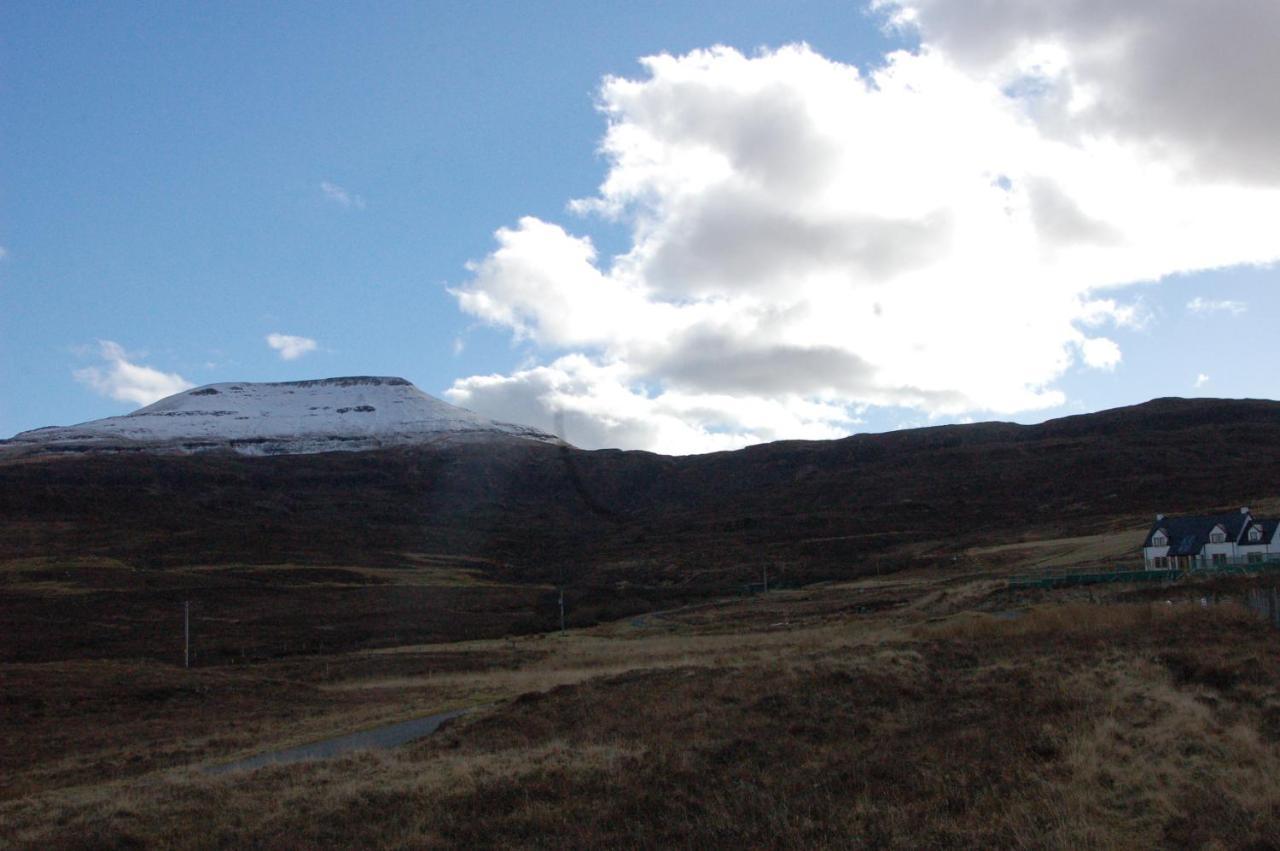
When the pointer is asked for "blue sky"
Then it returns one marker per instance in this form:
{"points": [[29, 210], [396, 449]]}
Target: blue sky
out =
{"points": [[186, 179]]}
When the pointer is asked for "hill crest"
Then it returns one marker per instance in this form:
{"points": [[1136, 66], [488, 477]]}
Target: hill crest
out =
{"points": [[278, 418]]}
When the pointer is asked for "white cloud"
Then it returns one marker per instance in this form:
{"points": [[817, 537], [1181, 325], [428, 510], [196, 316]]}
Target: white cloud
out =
{"points": [[338, 195], [126, 381], [1133, 315], [1187, 80], [590, 404], [289, 346], [1207, 305], [1201, 380], [806, 240], [1100, 353]]}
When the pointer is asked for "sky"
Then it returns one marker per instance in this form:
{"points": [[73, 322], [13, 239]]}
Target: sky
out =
{"points": [[679, 227]]}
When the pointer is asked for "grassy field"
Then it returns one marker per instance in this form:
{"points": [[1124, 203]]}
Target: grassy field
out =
{"points": [[1104, 550], [898, 711]]}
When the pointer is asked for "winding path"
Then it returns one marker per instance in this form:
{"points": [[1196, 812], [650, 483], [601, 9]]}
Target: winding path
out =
{"points": [[390, 736]]}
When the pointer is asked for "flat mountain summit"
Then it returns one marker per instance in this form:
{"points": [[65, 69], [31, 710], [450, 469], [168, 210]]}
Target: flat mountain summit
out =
{"points": [[280, 418]]}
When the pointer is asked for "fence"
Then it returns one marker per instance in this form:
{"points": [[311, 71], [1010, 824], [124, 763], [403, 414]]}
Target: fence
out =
{"points": [[1265, 602], [1237, 566], [1068, 578]]}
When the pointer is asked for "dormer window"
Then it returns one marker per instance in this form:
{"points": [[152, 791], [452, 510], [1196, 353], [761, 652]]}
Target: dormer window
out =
{"points": [[1255, 534], [1216, 537], [1159, 540]]}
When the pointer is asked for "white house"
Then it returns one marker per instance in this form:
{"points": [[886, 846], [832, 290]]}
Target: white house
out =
{"points": [[1221, 539], [1259, 539]]}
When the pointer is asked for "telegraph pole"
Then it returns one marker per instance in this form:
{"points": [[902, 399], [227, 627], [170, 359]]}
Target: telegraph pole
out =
{"points": [[562, 610], [186, 634]]}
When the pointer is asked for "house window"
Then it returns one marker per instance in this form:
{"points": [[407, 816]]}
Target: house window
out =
{"points": [[1219, 558], [1255, 534], [1158, 540], [1160, 561], [1217, 538], [1255, 558]]}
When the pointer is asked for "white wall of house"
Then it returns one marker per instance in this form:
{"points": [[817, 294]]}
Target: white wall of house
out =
{"points": [[1152, 557], [1251, 549], [1258, 552], [1226, 550], [1261, 550]]}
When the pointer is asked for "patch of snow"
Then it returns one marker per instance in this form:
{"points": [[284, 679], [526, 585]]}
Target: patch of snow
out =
{"points": [[285, 418]]}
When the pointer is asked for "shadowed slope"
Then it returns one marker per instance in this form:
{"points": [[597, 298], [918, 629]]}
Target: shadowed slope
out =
{"points": [[825, 507]]}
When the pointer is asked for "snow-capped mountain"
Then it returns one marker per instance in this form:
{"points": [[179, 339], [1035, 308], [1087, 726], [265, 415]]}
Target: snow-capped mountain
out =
{"points": [[285, 418]]}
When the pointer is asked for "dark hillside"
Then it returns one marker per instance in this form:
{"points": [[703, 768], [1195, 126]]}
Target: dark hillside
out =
{"points": [[822, 509]]}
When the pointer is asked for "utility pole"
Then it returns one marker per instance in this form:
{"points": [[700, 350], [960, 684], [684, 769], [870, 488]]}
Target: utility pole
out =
{"points": [[562, 610], [186, 634]]}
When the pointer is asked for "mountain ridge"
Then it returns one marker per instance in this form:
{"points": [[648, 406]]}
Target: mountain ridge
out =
{"points": [[348, 413], [824, 509]]}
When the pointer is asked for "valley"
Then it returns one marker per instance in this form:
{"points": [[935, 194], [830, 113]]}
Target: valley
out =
{"points": [[889, 690], [896, 711], [667, 425]]}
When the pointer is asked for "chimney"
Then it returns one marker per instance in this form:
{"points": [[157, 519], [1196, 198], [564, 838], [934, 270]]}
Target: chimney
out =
{"points": [[1244, 509], [1159, 517]]}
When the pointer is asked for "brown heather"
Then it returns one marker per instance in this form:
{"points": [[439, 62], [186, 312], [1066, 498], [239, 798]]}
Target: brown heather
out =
{"points": [[875, 714]]}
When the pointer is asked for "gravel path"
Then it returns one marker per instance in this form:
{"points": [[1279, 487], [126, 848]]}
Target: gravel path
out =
{"points": [[390, 736]]}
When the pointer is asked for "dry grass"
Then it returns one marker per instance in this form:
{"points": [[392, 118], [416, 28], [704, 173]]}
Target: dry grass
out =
{"points": [[557, 660], [1077, 725], [73, 723], [416, 572], [1064, 620], [1114, 547]]}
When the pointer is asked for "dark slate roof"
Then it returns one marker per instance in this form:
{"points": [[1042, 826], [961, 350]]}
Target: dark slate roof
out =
{"points": [[1188, 535], [1234, 522], [1268, 530]]}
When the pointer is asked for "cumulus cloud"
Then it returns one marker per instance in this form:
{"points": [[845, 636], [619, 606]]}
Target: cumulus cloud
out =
{"points": [[1101, 353], [121, 379], [1208, 305], [338, 195], [289, 346], [1189, 80], [593, 404], [806, 240]]}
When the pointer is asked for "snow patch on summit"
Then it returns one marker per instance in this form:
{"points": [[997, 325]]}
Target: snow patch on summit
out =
{"points": [[285, 418]]}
